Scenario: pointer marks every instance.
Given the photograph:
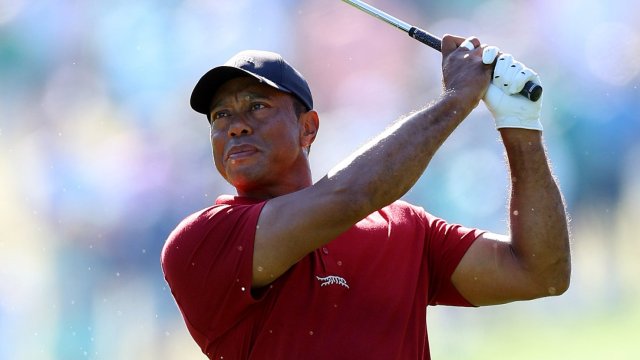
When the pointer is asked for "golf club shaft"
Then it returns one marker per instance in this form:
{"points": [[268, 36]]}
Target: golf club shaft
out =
{"points": [[531, 90], [416, 33]]}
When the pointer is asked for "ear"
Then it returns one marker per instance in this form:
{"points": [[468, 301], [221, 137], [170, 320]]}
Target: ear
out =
{"points": [[309, 124]]}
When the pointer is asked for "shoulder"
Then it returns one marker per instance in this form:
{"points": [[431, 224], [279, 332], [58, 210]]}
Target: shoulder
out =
{"points": [[210, 229], [405, 208], [400, 215], [226, 213], [407, 214], [404, 211], [199, 221], [187, 234]]}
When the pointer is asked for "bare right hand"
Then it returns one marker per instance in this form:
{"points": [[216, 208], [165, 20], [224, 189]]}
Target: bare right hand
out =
{"points": [[463, 72]]}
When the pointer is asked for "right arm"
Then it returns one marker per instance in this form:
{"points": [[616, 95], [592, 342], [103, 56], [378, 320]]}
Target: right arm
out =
{"points": [[293, 225]]}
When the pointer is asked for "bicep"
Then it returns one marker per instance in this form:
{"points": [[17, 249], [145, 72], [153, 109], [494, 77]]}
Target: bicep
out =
{"points": [[490, 273]]}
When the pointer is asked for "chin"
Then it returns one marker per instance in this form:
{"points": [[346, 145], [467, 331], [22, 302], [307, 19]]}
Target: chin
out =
{"points": [[243, 180]]}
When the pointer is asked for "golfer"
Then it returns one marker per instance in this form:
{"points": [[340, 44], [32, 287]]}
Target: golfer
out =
{"points": [[341, 268]]}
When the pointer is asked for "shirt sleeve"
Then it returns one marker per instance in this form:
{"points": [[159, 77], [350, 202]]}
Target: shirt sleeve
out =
{"points": [[207, 262], [446, 244]]}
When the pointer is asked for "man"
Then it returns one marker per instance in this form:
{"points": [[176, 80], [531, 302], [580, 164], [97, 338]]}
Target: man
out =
{"points": [[341, 269]]}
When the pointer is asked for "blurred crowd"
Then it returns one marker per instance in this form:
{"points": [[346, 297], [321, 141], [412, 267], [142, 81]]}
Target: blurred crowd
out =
{"points": [[101, 155]]}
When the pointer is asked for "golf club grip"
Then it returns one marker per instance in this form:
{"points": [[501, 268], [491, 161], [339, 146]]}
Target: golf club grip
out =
{"points": [[426, 38], [531, 90]]}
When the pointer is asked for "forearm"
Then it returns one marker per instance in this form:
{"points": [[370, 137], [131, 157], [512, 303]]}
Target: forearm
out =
{"points": [[538, 221], [389, 165]]}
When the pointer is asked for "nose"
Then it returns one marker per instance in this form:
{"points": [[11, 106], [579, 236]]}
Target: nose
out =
{"points": [[239, 126]]}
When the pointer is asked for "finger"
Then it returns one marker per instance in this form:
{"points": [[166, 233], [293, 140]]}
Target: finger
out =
{"points": [[467, 43], [500, 70], [521, 77], [470, 43], [450, 43], [489, 54], [510, 75]]}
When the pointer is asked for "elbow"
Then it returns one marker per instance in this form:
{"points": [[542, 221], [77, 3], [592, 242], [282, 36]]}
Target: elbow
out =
{"points": [[564, 279], [558, 288], [562, 273], [550, 275], [557, 280]]}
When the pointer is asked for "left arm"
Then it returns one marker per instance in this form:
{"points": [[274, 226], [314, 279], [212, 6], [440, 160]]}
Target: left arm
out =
{"points": [[535, 260]]}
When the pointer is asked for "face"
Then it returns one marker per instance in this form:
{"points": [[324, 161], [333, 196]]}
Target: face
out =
{"points": [[256, 137]]}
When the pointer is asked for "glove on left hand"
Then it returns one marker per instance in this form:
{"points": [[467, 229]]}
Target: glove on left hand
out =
{"points": [[509, 109]]}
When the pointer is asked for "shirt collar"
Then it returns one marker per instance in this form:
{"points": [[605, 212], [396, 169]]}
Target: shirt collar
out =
{"points": [[236, 200]]}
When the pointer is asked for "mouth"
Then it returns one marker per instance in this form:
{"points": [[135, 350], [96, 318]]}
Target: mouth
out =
{"points": [[238, 152]]}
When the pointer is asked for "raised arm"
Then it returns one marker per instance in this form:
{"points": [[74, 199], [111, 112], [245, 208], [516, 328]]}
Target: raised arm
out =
{"points": [[293, 225], [534, 260]]}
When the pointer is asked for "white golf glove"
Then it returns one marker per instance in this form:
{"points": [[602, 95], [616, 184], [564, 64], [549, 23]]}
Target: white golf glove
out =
{"points": [[509, 109]]}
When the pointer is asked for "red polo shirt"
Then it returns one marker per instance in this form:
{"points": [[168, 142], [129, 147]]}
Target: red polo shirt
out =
{"points": [[362, 296]]}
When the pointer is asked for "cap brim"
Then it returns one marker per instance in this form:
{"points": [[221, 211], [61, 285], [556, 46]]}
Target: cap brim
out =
{"points": [[210, 82]]}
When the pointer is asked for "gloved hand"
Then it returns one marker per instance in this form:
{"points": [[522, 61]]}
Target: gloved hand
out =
{"points": [[509, 109]]}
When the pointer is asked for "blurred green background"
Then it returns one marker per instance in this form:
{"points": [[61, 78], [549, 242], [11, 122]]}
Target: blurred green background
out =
{"points": [[101, 156]]}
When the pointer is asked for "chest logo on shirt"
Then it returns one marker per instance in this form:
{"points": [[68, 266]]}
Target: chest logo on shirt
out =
{"points": [[332, 280]]}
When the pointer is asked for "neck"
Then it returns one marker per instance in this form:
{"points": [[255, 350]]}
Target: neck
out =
{"points": [[283, 186]]}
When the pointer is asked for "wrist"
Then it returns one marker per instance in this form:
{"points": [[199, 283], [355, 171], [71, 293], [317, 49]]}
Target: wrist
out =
{"points": [[525, 152], [519, 136], [457, 103]]}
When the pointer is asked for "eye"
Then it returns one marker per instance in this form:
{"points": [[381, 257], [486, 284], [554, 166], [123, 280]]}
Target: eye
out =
{"points": [[257, 106], [219, 114]]}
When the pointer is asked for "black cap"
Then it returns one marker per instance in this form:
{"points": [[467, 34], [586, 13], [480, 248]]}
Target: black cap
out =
{"points": [[268, 67]]}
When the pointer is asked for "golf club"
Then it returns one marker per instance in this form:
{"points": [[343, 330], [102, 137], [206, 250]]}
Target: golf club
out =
{"points": [[531, 90]]}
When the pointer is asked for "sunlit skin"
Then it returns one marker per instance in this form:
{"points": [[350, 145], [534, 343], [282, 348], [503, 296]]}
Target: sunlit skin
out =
{"points": [[259, 144]]}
